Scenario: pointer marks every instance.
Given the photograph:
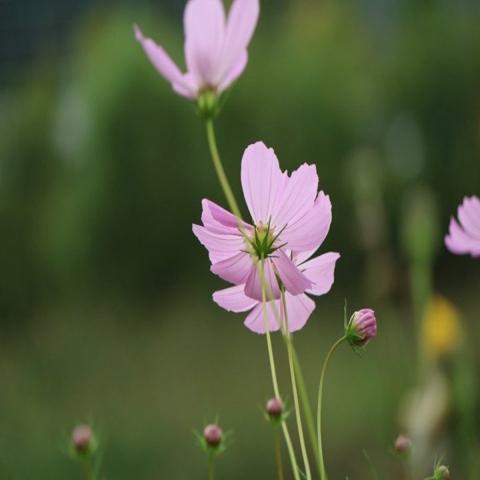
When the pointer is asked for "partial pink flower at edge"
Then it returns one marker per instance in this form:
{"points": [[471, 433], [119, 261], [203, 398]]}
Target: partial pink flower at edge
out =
{"points": [[290, 221], [464, 235], [215, 46]]}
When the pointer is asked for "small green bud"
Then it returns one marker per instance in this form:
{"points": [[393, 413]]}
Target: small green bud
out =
{"points": [[442, 473]]}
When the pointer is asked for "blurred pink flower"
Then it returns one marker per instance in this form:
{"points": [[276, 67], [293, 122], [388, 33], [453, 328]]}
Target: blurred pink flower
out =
{"points": [[215, 46], [465, 237], [290, 221]]}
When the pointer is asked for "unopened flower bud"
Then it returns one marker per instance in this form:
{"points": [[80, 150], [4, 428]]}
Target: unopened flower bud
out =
{"points": [[442, 473], [403, 444], [82, 438], [274, 408], [361, 327], [213, 435]]}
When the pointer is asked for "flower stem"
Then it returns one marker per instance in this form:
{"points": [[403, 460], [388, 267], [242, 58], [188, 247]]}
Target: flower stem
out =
{"points": [[88, 469], [296, 402], [278, 454], [222, 177], [323, 472], [273, 370], [306, 405], [211, 467]]}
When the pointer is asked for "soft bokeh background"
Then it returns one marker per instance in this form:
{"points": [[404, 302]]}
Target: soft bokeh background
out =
{"points": [[105, 309]]}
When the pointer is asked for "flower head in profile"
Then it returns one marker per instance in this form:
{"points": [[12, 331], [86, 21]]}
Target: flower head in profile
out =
{"points": [[215, 46], [290, 220], [464, 235], [361, 327]]}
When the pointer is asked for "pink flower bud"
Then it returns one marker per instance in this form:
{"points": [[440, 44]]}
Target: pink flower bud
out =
{"points": [[212, 435], [403, 444], [82, 436], [361, 327], [274, 408]]}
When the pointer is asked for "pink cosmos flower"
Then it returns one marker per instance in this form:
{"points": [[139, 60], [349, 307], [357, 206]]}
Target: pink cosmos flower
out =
{"points": [[215, 46], [464, 238], [290, 221]]}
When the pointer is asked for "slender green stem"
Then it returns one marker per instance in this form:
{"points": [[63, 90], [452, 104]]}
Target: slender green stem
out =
{"points": [[222, 177], [278, 454], [276, 390], [296, 402], [211, 467], [301, 383], [323, 472], [306, 405], [88, 469]]}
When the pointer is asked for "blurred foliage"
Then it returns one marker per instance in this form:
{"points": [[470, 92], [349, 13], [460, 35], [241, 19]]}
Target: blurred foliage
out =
{"points": [[102, 170]]}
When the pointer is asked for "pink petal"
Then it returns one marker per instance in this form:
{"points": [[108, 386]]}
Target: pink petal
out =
{"points": [[255, 320], [242, 20], [459, 242], [219, 220], [241, 23], [469, 216], [235, 269], [299, 309], [204, 25], [253, 287], [320, 271], [297, 197], [262, 181], [234, 72], [165, 65], [310, 230], [294, 280], [220, 246], [233, 299]]}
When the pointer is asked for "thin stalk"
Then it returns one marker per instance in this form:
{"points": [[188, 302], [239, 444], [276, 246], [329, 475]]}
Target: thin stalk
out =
{"points": [[222, 177], [305, 404], [273, 370], [296, 402], [301, 383], [211, 467], [278, 454], [323, 472], [88, 469]]}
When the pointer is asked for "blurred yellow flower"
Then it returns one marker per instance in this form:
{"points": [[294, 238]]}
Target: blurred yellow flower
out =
{"points": [[441, 328]]}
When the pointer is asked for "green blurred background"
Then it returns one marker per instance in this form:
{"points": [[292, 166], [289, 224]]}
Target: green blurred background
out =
{"points": [[105, 295]]}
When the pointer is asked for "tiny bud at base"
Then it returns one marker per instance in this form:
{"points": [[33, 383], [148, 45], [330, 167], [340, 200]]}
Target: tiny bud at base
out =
{"points": [[442, 473], [403, 444], [212, 435], [274, 407], [82, 438]]}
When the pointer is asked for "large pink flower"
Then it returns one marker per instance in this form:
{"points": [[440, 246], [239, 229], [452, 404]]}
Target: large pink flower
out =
{"points": [[290, 221], [215, 47], [465, 237]]}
